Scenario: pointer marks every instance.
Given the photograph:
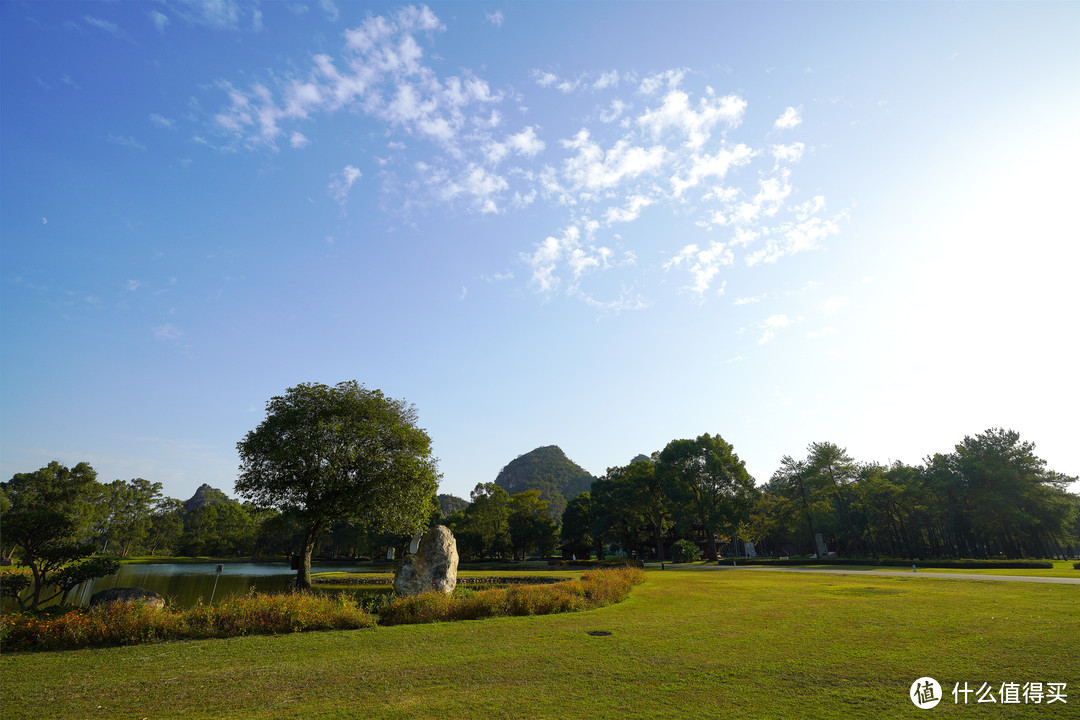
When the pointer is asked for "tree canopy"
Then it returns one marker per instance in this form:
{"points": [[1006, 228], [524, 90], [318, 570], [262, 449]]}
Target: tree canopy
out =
{"points": [[334, 453], [45, 517], [706, 478]]}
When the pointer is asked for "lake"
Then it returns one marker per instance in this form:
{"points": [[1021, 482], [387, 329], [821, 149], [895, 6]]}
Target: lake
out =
{"points": [[186, 583]]}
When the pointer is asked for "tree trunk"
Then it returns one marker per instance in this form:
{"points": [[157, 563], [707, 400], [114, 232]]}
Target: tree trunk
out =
{"points": [[303, 575]]}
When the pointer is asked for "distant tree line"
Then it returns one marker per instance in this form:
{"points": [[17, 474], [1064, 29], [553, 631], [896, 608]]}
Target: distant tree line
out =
{"points": [[992, 496]]}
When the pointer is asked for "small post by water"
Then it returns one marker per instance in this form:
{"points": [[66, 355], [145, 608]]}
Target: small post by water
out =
{"points": [[217, 576]]}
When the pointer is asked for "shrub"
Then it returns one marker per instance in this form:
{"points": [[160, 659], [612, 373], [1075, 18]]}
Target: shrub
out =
{"points": [[1076, 566], [621, 562], [684, 551], [123, 623], [436, 607], [596, 588]]}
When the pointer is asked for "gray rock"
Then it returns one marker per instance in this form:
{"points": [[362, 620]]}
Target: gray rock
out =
{"points": [[127, 594], [432, 567]]}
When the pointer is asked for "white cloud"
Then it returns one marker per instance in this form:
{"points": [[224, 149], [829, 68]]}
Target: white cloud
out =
{"points": [[791, 118], [771, 326], [702, 264], [696, 124], [569, 251], [750, 300], [125, 141], [220, 14], [606, 80], [168, 331], [331, 10], [614, 112], [594, 168], [105, 25], [788, 153], [495, 18], [526, 143], [670, 78], [672, 150], [708, 166], [162, 122], [476, 183], [341, 184], [160, 20], [791, 238], [629, 212], [545, 79]]}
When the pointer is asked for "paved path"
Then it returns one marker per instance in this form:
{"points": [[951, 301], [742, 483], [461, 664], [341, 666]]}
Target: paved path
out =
{"points": [[885, 573]]}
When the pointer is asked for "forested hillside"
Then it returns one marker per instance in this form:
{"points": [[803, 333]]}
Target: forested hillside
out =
{"points": [[547, 469]]}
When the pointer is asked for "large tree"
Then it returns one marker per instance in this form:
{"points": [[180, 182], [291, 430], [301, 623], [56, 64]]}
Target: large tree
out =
{"points": [[531, 527], [576, 528], [706, 476], [489, 518], [44, 518], [339, 453]]}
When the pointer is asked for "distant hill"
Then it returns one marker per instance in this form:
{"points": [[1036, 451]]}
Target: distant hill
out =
{"points": [[207, 495], [449, 504], [641, 457], [547, 469]]}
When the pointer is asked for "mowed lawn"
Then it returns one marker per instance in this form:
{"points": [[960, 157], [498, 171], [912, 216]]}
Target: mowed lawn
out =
{"points": [[687, 644]]}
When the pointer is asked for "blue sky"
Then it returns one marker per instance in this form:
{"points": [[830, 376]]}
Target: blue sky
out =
{"points": [[597, 225]]}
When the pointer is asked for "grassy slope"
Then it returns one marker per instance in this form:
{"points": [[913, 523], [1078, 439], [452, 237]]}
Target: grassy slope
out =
{"points": [[686, 644]]}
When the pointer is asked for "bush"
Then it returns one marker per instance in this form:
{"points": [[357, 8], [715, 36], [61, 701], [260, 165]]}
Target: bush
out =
{"points": [[1076, 566], [684, 551], [123, 623], [621, 562], [596, 588]]}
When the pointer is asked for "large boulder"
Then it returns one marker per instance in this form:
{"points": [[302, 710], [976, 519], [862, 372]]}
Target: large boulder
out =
{"points": [[127, 594], [432, 567]]}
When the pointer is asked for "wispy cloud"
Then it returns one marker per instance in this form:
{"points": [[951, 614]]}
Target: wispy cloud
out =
{"points": [[341, 183], [772, 325], [160, 20], [653, 143], [162, 121], [791, 117], [125, 141], [331, 10], [750, 300], [106, 26], [703, 264], [168, 332], [495, 18]]}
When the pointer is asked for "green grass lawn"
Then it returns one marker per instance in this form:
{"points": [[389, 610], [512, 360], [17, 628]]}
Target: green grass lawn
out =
{"points": [[686, 644]]}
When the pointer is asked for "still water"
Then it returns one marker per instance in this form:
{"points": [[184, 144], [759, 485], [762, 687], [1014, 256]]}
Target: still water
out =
{"points": [[186, 583]]}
